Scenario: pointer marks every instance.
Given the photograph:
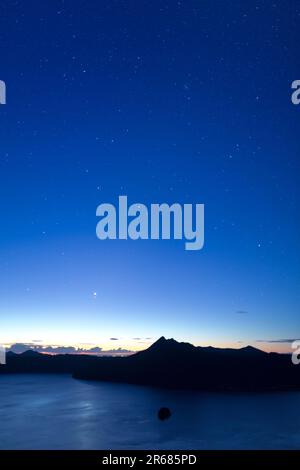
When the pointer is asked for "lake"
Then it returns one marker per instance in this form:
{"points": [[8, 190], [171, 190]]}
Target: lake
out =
{"points": [[58, 412]]}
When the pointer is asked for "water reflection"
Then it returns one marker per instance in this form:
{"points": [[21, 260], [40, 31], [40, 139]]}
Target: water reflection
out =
{"points": [[57, 412]]}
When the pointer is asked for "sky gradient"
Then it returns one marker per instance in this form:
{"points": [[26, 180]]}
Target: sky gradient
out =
{"points": [[186, 102]]}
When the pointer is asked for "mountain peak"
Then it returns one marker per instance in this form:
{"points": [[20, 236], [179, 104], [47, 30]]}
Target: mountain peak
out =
{"points": [[162, 341], [30, 353], [167, 347], [252, 349]]}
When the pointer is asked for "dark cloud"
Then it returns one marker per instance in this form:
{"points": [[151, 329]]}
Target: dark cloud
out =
{"points": [[289, 340], [56, 349], [22, 347], [19, 348], [117, 351], [140, 339], [94, 350], [114, 339], [242, 312]]}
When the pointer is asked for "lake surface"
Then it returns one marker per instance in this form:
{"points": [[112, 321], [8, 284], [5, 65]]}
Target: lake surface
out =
{"points": [[58, 412]]}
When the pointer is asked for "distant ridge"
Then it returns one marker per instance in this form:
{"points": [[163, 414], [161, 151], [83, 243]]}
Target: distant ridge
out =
{"points": [[168, 363]]}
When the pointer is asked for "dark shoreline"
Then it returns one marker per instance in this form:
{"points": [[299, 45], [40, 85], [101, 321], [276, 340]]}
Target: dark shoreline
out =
{"points": [[172, 365]]}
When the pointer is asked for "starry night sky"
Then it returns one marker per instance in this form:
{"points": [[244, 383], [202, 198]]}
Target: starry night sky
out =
{"points": [[162, 101]]}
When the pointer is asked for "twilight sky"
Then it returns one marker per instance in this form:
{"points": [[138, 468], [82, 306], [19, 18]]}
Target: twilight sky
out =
{"points": [[163, 101]]}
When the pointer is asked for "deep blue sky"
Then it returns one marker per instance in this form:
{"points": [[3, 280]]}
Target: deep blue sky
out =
{"points": [[163, 101]]}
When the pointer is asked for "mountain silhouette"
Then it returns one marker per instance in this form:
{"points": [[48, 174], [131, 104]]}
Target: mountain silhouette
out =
{"points": [[168, 363], [29, 353]]}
